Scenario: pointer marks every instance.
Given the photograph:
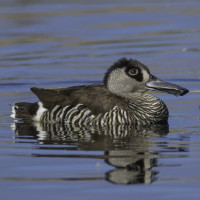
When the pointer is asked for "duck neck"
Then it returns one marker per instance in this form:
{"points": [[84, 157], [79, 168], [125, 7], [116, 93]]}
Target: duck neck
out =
{"points": [[147, 107]]}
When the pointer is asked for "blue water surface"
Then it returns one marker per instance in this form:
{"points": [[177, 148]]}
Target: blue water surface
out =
{"points": [[64, 43]]}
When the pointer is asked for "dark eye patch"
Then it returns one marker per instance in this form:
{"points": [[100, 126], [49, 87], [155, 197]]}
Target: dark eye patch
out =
{"points": [[135, 73]]}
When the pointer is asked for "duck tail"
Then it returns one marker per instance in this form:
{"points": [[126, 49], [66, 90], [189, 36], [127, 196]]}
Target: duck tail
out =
{"points": [[24, 110]]}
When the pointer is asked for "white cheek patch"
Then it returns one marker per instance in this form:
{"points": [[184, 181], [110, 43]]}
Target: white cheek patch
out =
{"points": [[119, 82], [146, 76]]}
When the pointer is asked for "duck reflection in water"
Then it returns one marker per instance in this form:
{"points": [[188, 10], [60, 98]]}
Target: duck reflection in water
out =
{"points": [[127, 148]]}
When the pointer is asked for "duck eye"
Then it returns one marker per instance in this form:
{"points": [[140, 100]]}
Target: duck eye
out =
{"points": [[133, 71]]}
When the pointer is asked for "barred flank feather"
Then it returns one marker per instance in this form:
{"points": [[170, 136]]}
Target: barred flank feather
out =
{"points": [[80, 115], [67, 114]]}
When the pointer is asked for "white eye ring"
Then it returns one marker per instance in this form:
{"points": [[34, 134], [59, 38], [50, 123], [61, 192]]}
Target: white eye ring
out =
{"points": [[133, 71]]}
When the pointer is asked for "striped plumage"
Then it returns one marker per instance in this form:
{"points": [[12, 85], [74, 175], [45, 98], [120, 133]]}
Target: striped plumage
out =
{"points": [[120, 100], [81, 115]]}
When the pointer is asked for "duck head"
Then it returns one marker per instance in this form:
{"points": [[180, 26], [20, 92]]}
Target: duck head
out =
{"points": [[129, 76]]}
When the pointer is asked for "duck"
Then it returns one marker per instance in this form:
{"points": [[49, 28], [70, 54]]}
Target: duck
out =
{"points": [[122, 98]]}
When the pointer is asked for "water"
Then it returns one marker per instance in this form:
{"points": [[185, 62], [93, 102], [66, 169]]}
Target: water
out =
{"points": [[65, 43]]}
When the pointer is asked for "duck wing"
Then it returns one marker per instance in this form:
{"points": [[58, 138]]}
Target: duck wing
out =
{"points": [[96, 97]]}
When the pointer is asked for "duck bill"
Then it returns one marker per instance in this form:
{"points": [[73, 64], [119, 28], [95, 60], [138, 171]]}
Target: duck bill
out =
{"points": [[156, 84]]}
